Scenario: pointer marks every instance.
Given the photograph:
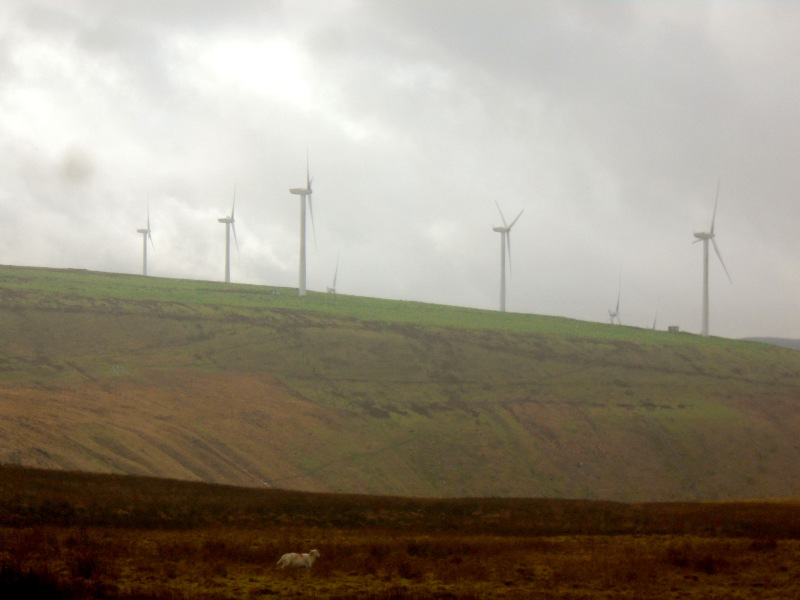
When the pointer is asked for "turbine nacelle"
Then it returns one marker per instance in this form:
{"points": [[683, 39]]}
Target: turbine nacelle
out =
{"points": [[306, 191], [230, 218]]}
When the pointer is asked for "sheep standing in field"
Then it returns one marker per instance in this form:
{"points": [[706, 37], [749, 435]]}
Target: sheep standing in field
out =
{"points": [[298, 561]]}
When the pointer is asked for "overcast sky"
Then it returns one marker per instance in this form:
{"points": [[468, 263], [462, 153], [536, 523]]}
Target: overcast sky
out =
{"points": [[608, 123]]}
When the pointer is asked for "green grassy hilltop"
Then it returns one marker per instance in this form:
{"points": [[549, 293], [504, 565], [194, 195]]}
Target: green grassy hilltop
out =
{"points": [[249, 385]]}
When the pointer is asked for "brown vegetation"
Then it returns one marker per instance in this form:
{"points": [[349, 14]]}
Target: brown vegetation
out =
{"points": [[74, 535]]}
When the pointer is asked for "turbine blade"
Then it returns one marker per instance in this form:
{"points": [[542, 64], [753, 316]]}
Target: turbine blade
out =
{"points": [[233, 206], [619, 292], [313, 229], [501, 214], [508, 244], [719, 256], [151, 237], [336, 271], [714, 214], [233, 228], [308, 176], [515, 220], [655, 318]]}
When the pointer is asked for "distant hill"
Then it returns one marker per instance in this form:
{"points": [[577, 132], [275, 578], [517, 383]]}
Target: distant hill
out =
{"points": [[252, 385], [783, 342]]}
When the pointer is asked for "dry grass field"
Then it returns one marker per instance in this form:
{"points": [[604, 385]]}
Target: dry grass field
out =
{"points": [[73, 535], [231, 562]]}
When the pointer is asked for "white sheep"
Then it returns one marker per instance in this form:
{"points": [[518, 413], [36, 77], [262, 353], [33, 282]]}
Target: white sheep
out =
{"points": [[298, 561]]}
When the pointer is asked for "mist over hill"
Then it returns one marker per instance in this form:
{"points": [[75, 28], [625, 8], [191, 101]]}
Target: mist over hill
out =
{"points": [[783, 342], [251, 385]]}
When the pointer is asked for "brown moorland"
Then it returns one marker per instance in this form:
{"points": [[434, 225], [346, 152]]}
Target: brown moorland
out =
{"points": [[79, 535]]}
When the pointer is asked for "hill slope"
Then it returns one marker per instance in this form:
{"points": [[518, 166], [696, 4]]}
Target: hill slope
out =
{"points": [[246, 384]]}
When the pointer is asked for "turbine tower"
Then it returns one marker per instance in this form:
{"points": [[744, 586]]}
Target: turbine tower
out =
{"points": [[304, 193], [229, 224], [505, 242], [145, 234], [614, 314], [705, 237]]}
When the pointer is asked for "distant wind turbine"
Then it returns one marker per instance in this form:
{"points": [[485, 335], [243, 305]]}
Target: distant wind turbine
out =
{"points": [[229, 224], [304, 193], [146, 234], [705, 236], [614, 313], [505, 242], [332, 289]]}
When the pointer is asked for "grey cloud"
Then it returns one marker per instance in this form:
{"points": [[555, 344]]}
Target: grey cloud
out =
{"points": [[609, 123]]}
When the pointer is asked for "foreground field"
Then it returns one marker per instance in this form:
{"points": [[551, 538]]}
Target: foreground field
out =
{"points": [[225, 562], [74, 535]]}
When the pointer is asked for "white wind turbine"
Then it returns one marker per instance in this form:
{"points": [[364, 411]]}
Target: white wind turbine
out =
{"points": [[332, 289], [304, 193], [229, 224], [145, 234], [614, 313], [705, 236], [505, 242]]}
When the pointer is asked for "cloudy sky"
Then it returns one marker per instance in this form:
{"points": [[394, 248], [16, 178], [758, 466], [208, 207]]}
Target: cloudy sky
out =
{"points": [[608, 123]]}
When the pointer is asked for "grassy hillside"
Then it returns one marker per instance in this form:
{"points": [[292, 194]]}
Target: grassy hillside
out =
{"points": [[247, 384]]}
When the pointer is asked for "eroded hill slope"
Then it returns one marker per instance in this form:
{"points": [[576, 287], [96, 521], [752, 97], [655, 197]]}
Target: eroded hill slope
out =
{"points": [[240, 384]]}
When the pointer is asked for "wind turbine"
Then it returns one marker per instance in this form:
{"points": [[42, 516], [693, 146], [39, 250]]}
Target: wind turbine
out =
{"points": [[505, 242], [229, 224], [332, 289], [614, 313], [705, 236], [304, 193], [145, 234]]}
